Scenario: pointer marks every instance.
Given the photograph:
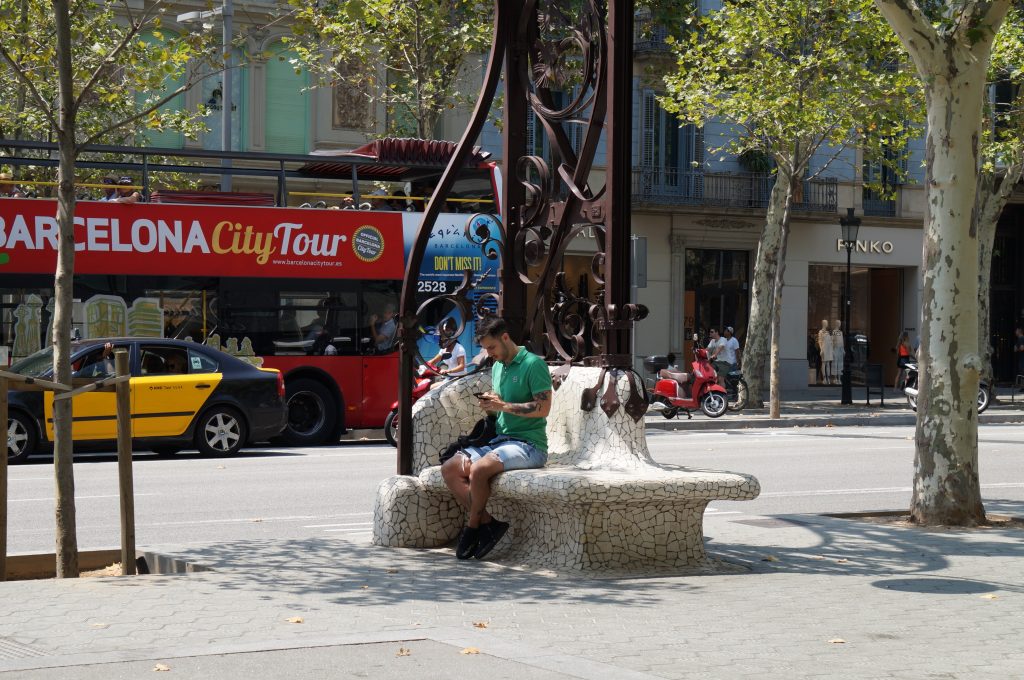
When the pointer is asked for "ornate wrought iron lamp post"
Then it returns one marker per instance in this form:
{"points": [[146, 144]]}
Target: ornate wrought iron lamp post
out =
{"points": [[547, 47], [850, 225]]}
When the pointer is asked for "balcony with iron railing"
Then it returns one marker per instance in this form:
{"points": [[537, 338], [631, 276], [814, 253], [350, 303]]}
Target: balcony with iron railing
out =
{"points": [[878, 204], [670, 187]]}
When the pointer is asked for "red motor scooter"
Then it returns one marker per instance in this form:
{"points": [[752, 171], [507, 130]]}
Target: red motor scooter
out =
{"points": [[704, 391], [425, 377]]}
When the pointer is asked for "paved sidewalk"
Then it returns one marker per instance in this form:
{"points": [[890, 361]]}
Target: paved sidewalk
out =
{"points": [[821, 407], [794, 597]]}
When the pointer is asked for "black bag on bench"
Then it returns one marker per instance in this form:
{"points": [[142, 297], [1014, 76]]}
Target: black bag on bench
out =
{"points": [[483, 432]]}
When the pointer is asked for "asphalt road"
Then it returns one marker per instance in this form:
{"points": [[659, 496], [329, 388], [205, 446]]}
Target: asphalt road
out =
{"points": [[303, 492]]}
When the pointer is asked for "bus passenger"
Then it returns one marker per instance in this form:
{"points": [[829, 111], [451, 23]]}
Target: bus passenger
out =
{"points": [[384, 328], [8, 189], [125, 192]]}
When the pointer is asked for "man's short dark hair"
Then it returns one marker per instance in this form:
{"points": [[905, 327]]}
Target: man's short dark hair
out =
{"points": [[491, 326]]}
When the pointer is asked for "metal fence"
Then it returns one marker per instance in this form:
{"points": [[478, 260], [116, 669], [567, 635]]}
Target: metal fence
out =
{"points": [[875, 205], [669, 187]]}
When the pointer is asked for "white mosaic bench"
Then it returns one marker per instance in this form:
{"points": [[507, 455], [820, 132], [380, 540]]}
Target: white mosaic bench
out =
{"points": [[600, 504]]}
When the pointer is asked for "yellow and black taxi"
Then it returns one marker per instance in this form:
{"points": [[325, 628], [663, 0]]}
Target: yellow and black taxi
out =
{"points": [[183, 395]]}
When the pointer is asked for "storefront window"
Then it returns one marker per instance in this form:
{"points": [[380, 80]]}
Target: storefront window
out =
{"points": [[717, 289], [875, 314]]}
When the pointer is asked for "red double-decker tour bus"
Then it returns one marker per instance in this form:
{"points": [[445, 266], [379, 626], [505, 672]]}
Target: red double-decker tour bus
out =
{"points": [[312, 291]]}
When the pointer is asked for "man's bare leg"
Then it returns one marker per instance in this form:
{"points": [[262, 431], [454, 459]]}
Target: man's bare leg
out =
{"points": [[457, 473], [480, 475]]}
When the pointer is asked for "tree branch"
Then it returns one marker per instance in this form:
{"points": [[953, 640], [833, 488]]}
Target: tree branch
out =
{"points": [[20, 73], [149, 109], [111, 57]]}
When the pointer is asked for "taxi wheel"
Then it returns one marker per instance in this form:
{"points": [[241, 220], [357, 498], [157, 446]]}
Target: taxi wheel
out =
{"points": [[21, 438], [220, 432]]}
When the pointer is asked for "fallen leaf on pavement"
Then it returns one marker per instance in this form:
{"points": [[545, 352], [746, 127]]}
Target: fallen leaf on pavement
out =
{"points": [[842, 561], [769, 558], [161, 667], [403, 651], [990, 596], [294, 619], [470, 650], [392, 571], [479, 624], [257, 519], [363, 587], [220, 467], [837, 641], [100, 625]]}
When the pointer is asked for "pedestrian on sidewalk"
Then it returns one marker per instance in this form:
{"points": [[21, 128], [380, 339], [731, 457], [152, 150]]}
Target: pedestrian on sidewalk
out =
{"points": [[904, 356], [521, 398]]}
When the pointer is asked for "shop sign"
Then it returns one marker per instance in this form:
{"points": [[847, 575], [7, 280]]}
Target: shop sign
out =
{"points": [[880, 247]]}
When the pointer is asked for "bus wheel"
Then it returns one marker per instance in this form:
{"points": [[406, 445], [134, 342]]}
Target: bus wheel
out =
{"points": [[312, 413]]}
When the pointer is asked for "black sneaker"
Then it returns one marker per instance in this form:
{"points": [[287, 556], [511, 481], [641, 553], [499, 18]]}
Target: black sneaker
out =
{"points": [[468, 541], [490, 534]]}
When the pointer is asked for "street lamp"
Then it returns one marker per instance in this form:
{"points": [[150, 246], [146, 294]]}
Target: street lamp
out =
{"points": [[226, 12], [850, 225]]}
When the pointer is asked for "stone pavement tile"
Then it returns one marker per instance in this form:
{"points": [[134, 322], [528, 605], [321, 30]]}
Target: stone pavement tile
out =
{"points": [[426, 660], [894, 595]]}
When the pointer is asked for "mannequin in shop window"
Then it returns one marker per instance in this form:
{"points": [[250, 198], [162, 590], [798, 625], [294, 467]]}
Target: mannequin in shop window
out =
{"points": [[827, 355], [838, 349]]}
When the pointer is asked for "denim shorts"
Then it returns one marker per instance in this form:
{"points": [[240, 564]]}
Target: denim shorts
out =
{"points": [[515, 454]]}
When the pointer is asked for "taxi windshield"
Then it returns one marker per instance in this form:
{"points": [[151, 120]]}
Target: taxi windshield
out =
{"points": [[34, 365]]}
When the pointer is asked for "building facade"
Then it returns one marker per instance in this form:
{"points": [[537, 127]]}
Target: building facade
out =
{"points": [[697, 219]]}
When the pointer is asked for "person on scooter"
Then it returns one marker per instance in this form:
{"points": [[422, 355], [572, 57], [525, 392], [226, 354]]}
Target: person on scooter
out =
{"points": [[726, 357], [450, 361], [673, 372]]}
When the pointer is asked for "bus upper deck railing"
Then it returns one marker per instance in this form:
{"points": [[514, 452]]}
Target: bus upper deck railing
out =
{"points": [[146, 161]]}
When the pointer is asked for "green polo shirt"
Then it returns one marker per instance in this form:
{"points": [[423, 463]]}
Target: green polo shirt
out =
{"points": [[516, 383]]}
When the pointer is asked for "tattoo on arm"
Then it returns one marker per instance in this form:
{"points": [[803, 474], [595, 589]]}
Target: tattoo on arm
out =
{"points": [[522, 409], [530, 406]]}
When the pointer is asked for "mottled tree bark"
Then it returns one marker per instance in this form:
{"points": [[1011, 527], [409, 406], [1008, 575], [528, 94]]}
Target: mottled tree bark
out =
{"points": [[756, 351], [993, 193], [782, 196], [63, 450], [953, 60]]}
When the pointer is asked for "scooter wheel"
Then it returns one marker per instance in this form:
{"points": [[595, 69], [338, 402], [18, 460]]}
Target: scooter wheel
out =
{"points": [[669, 411], [391, 427], [912, 401], [983, 398], [714, 404]]}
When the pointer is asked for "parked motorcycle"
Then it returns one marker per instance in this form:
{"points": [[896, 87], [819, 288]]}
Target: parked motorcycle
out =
{"points": [[736, 386], [702, 391], [911, 388], [426, 376]]}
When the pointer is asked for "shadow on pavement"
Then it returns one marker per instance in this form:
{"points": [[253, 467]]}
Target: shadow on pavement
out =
{"points": [[854, 547]]}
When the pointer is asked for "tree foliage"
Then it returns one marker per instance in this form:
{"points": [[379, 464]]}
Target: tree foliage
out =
{"points": [[412, 57], [120, 78]]}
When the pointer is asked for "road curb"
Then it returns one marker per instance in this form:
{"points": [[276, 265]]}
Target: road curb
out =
{"points": [[879, 419]]}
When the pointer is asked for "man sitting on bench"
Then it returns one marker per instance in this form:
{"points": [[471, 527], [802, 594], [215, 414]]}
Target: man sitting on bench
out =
{"points": [[521, 397]]}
